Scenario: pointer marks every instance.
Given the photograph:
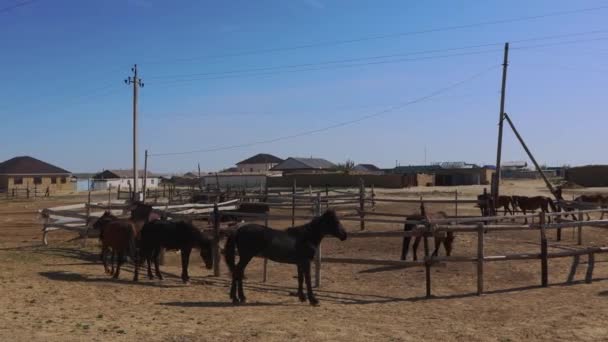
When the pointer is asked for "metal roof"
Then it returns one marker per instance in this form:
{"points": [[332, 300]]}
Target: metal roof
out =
{"points": [[304, 164], [261, 158], [26, 165]]}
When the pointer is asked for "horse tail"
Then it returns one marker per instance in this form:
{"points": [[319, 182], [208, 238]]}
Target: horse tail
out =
{"points": [[230, 251]]}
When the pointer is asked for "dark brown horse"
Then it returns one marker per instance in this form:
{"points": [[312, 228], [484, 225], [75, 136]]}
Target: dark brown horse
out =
{"points": [[120, 235], [505, 202], [445, 238], [526, 204]]}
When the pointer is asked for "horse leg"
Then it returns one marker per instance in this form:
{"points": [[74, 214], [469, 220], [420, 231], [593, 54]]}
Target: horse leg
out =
{"points": [[415, 247], [438, 241], [405, 247], [311, 296], [112, 257], [185, 252], [118, 264], [156, 264], [136, 264], [240, 272], [301, 294], [149, 262], [104, 250]]}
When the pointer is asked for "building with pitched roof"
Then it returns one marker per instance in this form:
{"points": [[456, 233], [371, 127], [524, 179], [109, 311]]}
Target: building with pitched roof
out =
{"points": [[25, 172], [304, 165], [261, 162], [114, 178]]}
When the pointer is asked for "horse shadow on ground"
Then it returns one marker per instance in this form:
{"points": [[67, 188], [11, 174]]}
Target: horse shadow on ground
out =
{"points": [[603, 293], [226, 304], [66, 276]]}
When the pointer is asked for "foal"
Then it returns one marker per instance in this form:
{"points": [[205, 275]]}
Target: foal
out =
{"points": [[296, 245], [445, 238]]}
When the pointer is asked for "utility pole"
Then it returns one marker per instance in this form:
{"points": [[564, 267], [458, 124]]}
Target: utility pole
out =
{"points": [[501, 118], [137, 82]]}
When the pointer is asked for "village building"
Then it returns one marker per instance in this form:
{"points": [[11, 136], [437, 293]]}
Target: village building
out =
{"points": [[305, 165], [112, 179], [261, 162], [25, 173]]}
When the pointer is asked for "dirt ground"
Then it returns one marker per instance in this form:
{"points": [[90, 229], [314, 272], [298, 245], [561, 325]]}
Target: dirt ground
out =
{"points": [[60, 293]]}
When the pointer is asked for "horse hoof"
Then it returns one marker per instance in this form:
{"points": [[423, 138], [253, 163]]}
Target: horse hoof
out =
{"points": [[302, 299], [314, 302]]}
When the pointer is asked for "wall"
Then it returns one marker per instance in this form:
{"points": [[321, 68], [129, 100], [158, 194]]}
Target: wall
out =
{"points": [[235, 180], [336, 180], [526, 174], [103, 184], [589, 176], [255, 167], [425, 179], [47, 181]]}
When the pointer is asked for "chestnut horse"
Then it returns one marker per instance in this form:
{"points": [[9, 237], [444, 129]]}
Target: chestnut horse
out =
{"points": [[445, 238], [120, 235]]}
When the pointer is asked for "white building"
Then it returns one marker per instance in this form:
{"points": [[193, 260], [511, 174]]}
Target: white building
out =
{"points": [[261, 162], [122, 178]]}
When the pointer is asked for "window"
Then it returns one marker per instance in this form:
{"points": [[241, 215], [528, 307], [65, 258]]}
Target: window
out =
{"points": [[18, 180], [53, 180], [37, 180], [250, 169], [63, 180], [151, 181]]}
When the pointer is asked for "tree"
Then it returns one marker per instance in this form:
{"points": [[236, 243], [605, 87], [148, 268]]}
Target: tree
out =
{"points": [[346, 167]]}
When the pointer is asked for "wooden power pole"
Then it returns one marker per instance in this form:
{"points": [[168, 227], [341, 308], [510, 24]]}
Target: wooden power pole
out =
{"points": [[137, 82], [501, 118]]}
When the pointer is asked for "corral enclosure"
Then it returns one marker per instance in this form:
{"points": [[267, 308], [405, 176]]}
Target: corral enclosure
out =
{"points": [[61, 290]]}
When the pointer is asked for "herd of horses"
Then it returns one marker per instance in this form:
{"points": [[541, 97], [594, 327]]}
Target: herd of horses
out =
{"points": [[146, 232]]}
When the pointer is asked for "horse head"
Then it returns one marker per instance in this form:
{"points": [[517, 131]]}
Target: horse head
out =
{"points": [[103, 219], [206, 250], [329, 224], [140, 211]]}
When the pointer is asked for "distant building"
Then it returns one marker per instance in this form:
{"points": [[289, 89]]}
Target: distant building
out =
{"points": [[29, 173], [259, 163], [123, 178], [514, 165], [368, 169], [445, 174], [304, 165], [588, 176]]}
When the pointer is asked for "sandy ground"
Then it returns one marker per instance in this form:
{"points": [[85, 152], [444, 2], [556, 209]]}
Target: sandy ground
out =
{"points": [[60, 293]]}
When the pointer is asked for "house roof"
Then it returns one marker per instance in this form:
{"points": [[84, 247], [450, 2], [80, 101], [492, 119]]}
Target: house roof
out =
{"points": [[367, 167], [415, 169], [115, 174], [261, 158], [304, 164], [26, 165]]}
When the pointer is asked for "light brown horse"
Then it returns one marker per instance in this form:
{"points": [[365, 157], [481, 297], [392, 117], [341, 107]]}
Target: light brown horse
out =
{"points": [[120, 235], [445, 238], [526, 204]]}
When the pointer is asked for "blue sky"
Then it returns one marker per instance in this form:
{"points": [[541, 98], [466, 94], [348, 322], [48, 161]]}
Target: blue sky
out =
{"points": [[63, 99]]}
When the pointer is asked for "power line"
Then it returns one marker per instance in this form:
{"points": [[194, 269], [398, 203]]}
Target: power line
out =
{"points": [[386, 36], [17, 5], [348, 63], [340, 124]]}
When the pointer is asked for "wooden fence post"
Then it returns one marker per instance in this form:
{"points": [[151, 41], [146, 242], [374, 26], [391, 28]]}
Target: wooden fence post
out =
{"points": [[480, 257], [456, 203], [373, 198], [318, 253], [216, 240], [361, 204], [573, 267], [265, 274], [580, 228], [86, 231], [543, 251], [427, 260], [293, 203], [590, 265], [326, 196]]}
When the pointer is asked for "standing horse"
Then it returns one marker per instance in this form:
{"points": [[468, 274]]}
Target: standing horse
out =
{"points": [[505, 202], [445, 238], [296, 245], [120, 235], [599, 200], [534, 203], [176, 235]]}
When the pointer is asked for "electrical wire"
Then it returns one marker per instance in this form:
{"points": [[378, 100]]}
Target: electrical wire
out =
{"points": [[340, 124]]}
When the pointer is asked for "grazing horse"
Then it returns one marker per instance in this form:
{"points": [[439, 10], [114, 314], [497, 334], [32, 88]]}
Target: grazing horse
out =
{"points": [[445, 238], [173, 235], [534, 203], [296, 245], [121, 234]]}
